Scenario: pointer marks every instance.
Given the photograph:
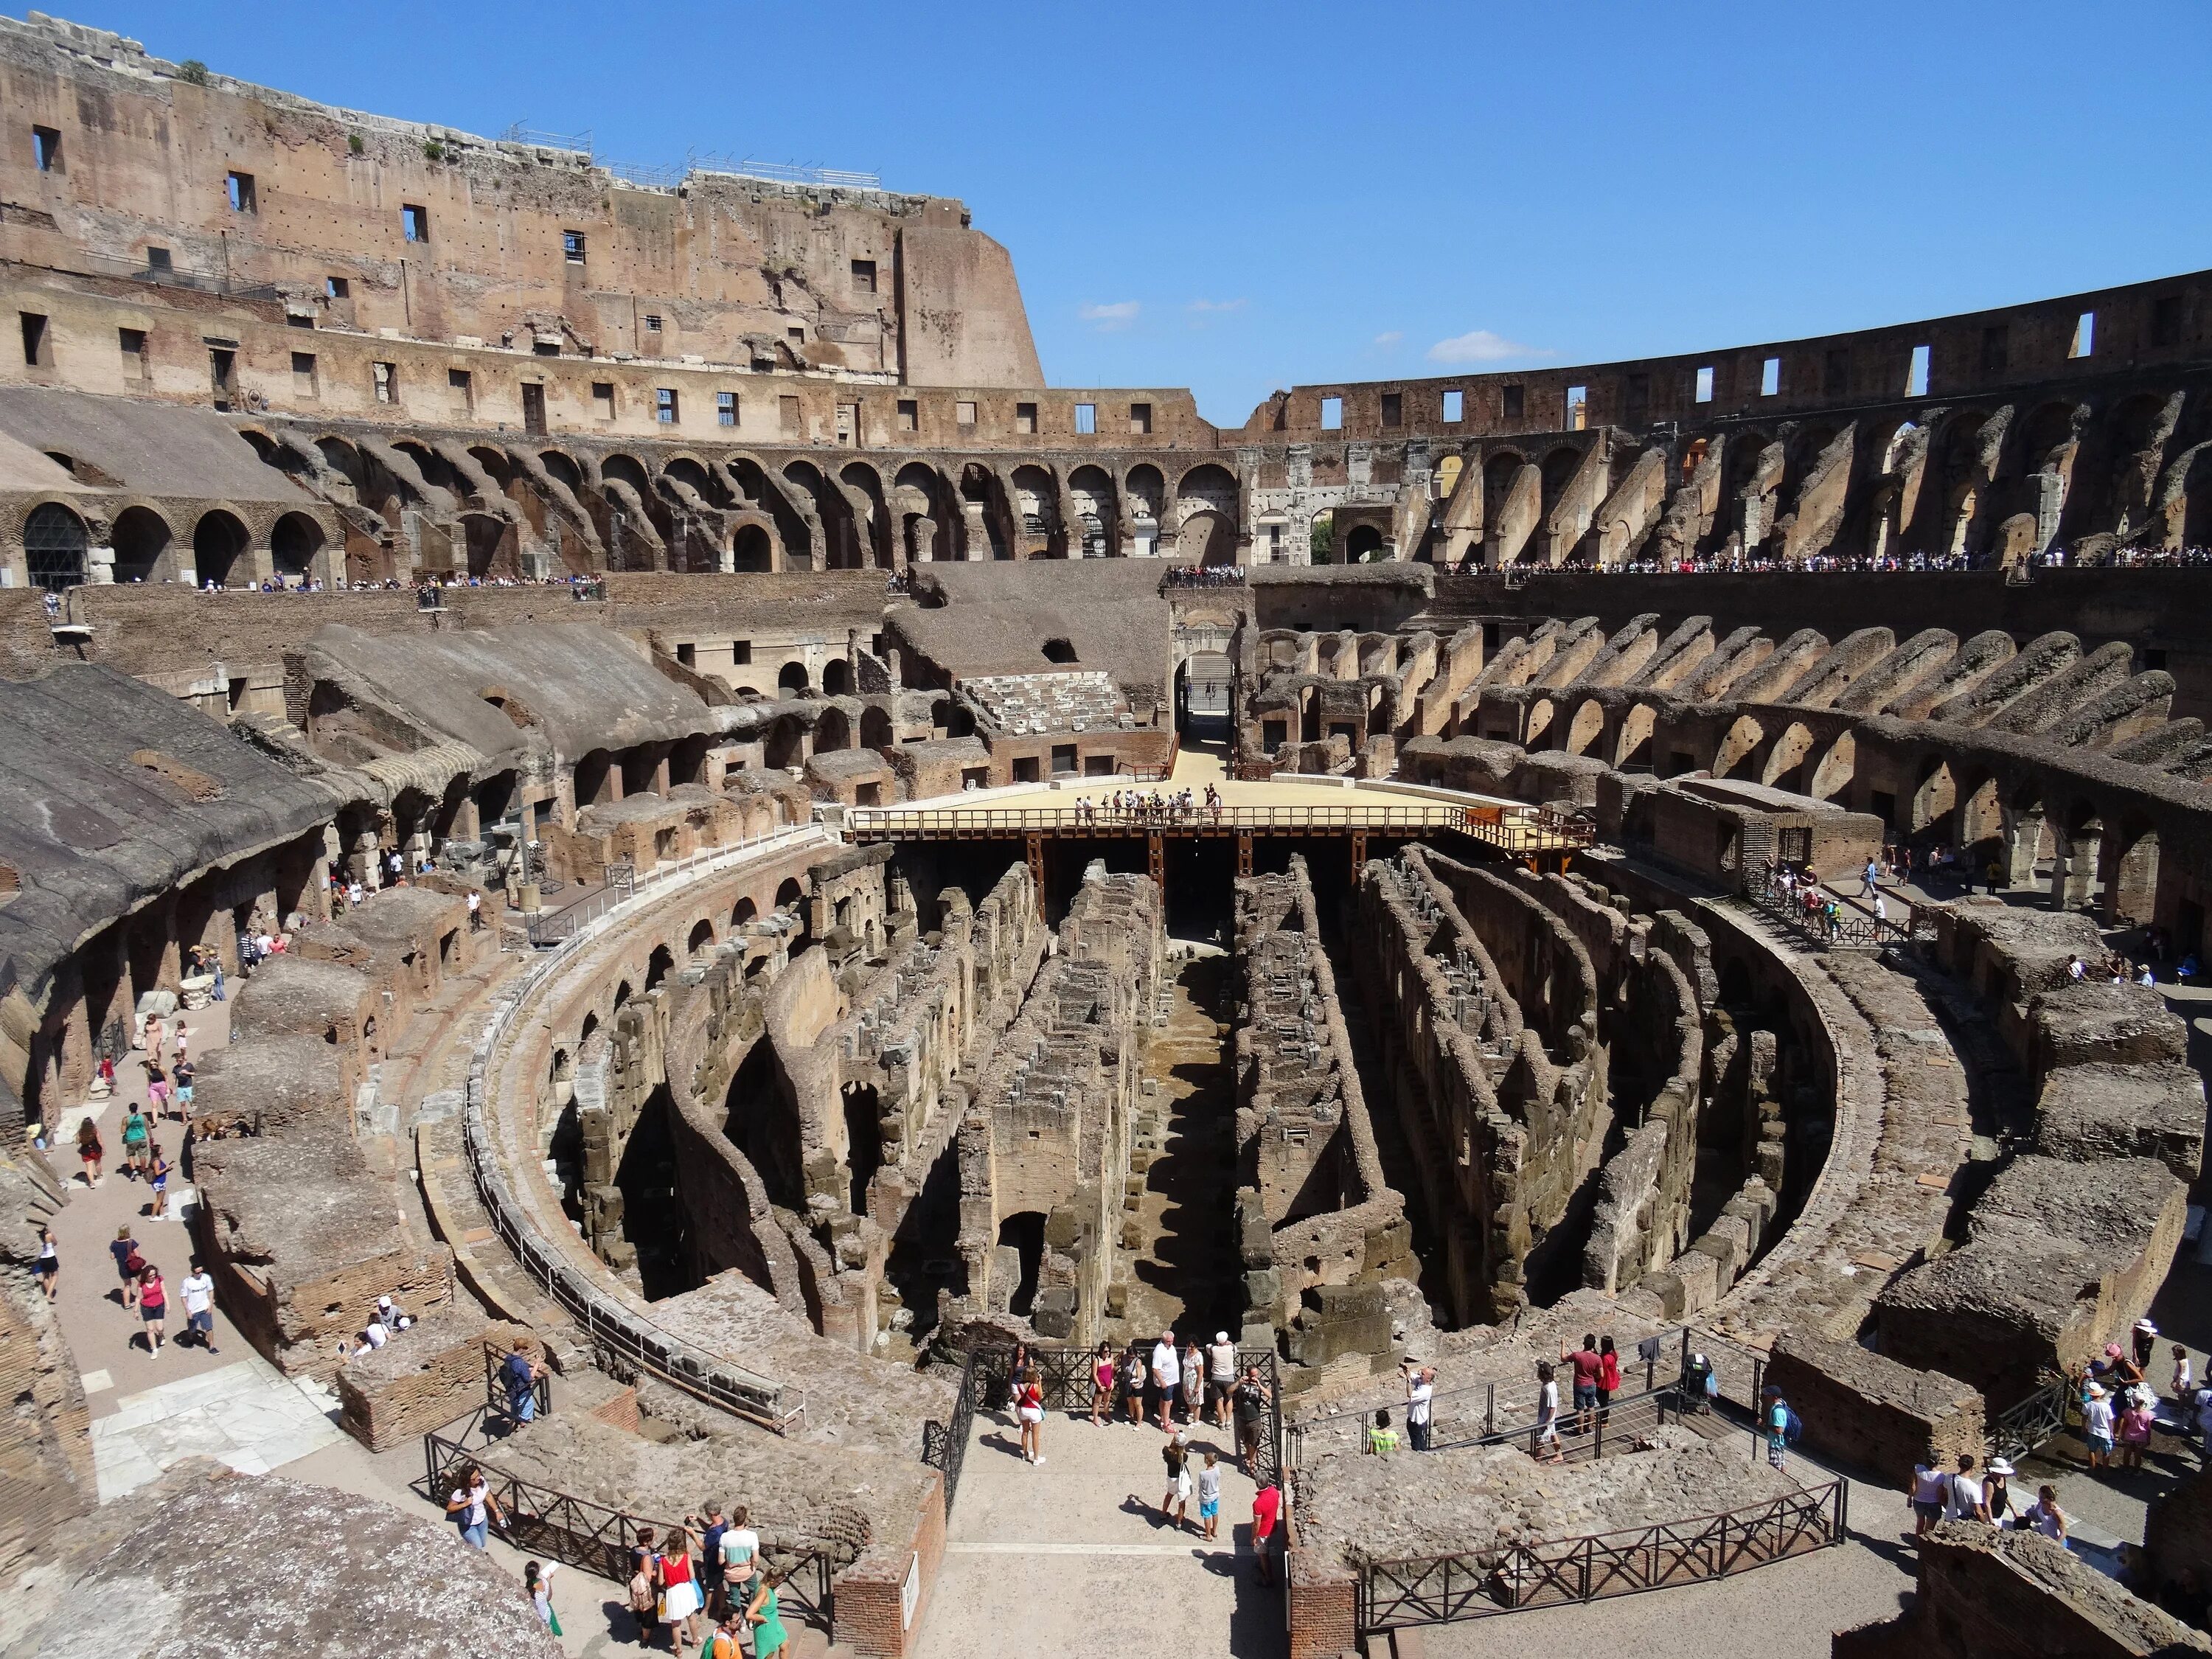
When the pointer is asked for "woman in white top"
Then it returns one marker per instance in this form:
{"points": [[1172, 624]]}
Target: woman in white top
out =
{"points": [[1548, 1416], [2046, 1516]]}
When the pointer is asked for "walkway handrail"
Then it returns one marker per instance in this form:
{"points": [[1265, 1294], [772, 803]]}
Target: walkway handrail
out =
{"points": [[552, 926], [621, 1330], [872, 821], [593, 1538], [2043, 1416], [1489, 1410], [1855, 924], [1435, 1590]]}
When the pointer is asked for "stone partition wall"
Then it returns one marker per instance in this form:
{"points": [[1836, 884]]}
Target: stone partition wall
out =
{"points": [[1990, 1594], [1044, 1149], [1490, 1005], [1321, 1230], [1870, 1413]]}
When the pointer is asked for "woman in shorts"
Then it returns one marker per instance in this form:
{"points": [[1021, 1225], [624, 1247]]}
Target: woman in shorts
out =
{"points": [[90, 1150], [153, 1308], [49, 1265], [1029, 1411], [1105, 1372], [157, 1178], [1133, 1375]]}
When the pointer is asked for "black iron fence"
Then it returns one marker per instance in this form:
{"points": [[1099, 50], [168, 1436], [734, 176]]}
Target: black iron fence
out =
{"points": [[548, 928], [500, 1399], [558, 1526], [1066, 1378], [1481, 1584], [2042, 1417], [1496, 1412], [1834, 921]]}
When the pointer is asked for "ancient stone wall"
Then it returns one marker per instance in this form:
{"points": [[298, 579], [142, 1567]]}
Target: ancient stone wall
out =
{"points": [[1990, 1594], [1321, 1228], [1050, 1132]]}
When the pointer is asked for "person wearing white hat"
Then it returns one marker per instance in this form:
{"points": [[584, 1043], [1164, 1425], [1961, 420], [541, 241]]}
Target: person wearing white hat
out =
{"points": [[2146, 1343], [1997, 1493], [2097, 1426], [1220, 1377]]}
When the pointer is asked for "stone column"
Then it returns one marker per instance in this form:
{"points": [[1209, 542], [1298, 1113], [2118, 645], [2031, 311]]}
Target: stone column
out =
{"points": [[2024, 831], [2074, 872]]}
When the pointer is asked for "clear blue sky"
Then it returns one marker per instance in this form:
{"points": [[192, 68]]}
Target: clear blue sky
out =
{"points": [[1237, 197]]}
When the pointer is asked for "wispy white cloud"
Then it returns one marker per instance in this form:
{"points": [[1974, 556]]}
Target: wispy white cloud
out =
{"points": [[1120, 313], [1218, 305], [1479, 346], [1389, 337]]}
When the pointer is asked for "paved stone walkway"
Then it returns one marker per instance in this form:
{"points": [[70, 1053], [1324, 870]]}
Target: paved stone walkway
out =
{"points": [[1070, 1559]]}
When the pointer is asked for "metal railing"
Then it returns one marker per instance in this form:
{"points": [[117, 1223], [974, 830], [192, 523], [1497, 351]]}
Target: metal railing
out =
{"points": [[558, 1526], [498, 1399], [878, 822], [141, 271], [1065, 1376], [1496, 1412], [618, 883], [1439, 1589], [2041, 1418], [624, 1334], [1854, 926]]}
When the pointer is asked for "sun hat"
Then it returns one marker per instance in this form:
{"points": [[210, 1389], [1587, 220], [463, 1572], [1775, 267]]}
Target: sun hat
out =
{"points": [[1221, 1336], [1998, 1465]]}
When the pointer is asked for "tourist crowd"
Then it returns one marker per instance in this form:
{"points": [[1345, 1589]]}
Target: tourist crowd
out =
{"points": [[2056, 558], [1205, 575], [1150, 806]]}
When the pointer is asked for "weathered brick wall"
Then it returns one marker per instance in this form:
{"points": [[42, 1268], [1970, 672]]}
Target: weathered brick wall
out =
{"points": [[1873, 1411], [1990, 1594], [2177, 1531], [424, 1378], [1324, 1606], [871, 1616]]}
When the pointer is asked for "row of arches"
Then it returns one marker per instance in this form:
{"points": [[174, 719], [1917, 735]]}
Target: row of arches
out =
{"points": [[487, 504], [57, 547]]}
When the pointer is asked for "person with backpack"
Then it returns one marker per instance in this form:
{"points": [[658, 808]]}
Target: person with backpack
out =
{"points": [[1132, 1385], [129, 1264], [135, 1133], [473, 1509], [740, 1558], [90, 1151], [1251, 1411], [519, 1372], [1964, 1501], [1782, 1426]]}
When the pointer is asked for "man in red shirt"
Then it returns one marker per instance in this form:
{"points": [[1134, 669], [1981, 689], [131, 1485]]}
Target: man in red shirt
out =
{"points": [[1587, 1364], [1266, 1510]]}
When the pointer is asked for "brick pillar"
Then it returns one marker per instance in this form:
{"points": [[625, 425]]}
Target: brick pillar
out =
{"points": [[1324, 1606]]}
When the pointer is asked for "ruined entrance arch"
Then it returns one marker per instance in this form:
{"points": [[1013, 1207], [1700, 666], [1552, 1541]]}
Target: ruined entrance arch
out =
{"points": [[1633, 751], [1834, 773], [141, 541], [1743, 740], [1785, 761], [217, 540], [1586, 727]]}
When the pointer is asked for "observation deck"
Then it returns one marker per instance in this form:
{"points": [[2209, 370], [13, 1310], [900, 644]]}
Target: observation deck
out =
{"points": [[1303, 809]]}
